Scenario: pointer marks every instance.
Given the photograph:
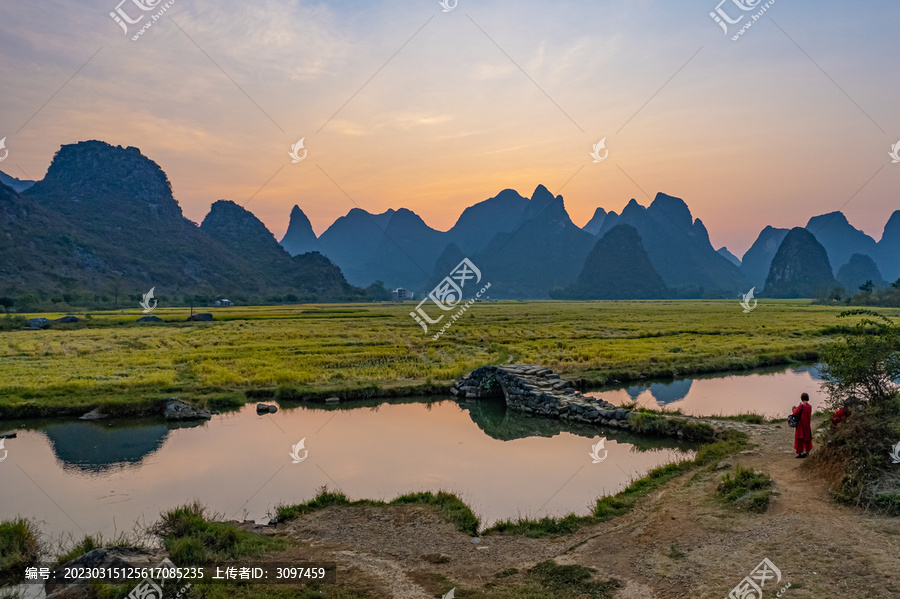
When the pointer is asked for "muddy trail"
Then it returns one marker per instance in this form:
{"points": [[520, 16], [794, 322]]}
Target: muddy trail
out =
{"points": [[678, 542]]}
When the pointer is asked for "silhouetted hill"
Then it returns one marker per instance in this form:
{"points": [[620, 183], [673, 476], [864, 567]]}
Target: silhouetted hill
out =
{"points": [[758, 259], [546, 251], [859, 269], [594, 225], [616, 268], [723, 251], [680, 249], [839, 238], [800, 267], [396, 247], [299, 237], [889, 249], [478, 224], [16, 185], [103, 223]]}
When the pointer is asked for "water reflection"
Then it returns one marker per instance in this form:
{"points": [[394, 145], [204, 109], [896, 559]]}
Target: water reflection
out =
{"points": [[769, 392]]}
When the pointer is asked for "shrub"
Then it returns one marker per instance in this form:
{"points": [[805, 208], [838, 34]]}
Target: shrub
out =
{"points": [[18, 548]]}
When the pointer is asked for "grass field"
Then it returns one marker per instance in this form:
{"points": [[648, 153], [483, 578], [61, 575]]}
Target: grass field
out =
{"points": [[108, 358]]}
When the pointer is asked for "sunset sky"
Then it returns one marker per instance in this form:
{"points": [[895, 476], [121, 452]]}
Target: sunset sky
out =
{"points": [[403, 105]]}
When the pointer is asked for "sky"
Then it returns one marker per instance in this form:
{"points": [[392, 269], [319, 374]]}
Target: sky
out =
{"points": [[400, 104]]}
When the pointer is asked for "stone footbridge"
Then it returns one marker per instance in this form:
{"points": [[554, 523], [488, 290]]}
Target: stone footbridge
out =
{"points": [[537, 390]]}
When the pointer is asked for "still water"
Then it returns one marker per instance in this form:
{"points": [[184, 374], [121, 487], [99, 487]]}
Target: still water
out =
{"points": [[771, 393], [87, 477]]}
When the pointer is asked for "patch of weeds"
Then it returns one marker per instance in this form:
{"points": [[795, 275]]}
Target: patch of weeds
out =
{"points": [[573, 579], [446, 504], [543, 527], [18, 548], [676, 553], [191, 538], [749, 483]]}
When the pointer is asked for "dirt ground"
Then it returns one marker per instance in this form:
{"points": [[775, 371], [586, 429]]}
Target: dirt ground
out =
{"points": [[677, 543]]}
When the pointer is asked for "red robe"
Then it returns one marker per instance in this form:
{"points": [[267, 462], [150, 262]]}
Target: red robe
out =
{"points": [[803, 432]]}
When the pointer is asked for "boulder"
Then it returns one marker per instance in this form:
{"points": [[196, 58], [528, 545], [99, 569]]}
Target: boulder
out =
{"points": [[94, 414], [263, 408], [177, 409], [38, 323], [67, 320], [8, 435], [202, 317], [336, 399], [149, 319]]}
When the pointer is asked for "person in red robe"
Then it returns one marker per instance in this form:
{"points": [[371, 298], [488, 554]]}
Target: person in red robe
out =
{"points": [[803, 432]]}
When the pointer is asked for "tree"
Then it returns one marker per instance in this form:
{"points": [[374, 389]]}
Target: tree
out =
{"points": [[896, 284], [866, 364], [867, 287], [7, 303]]}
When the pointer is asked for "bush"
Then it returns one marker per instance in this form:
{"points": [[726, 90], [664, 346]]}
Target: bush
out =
{"points": [[18, 549]]}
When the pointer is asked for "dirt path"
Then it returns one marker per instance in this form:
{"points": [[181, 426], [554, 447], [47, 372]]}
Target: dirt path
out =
{"points": [[677, 543]]}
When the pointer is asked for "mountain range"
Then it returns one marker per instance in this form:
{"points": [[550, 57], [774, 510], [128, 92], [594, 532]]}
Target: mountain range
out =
{"points": [[104, 220]]}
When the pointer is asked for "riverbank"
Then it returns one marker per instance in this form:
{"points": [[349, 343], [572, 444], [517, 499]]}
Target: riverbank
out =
{"points": [[310, 353]]}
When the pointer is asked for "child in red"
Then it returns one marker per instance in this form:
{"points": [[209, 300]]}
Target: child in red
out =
{"points": [[803, 432]]}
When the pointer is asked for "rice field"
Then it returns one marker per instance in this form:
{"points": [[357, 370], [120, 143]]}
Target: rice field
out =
{"points": [[109, 357]]}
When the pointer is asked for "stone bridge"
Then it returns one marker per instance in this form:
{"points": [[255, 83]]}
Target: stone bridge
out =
{"points": [[536, 390]]}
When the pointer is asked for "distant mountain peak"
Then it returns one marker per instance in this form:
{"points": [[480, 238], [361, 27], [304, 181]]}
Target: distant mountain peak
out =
{"points": [[594, 225], [299, 237]]}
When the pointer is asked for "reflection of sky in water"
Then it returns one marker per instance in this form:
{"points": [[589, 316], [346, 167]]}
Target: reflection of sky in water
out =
{"points": [[89, 477], [771, 394]]}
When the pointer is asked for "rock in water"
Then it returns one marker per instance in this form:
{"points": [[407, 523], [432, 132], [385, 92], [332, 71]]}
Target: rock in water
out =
{"points": [[94, 414], [177, 409], [263, 408]]}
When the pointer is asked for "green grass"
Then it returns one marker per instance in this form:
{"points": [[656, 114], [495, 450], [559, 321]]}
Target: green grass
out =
{"points": [[545, 580], [446, 504], [190, 538], [312, 350], [612, 506], [747, 487], [748, 417], [18, 548]]}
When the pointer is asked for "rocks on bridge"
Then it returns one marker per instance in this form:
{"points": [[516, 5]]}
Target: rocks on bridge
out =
{"points": [[537, 390]]}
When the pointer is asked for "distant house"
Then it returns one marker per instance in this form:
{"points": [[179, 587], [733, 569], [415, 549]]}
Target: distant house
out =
{"points": [[401, 295], [224, 303]]}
